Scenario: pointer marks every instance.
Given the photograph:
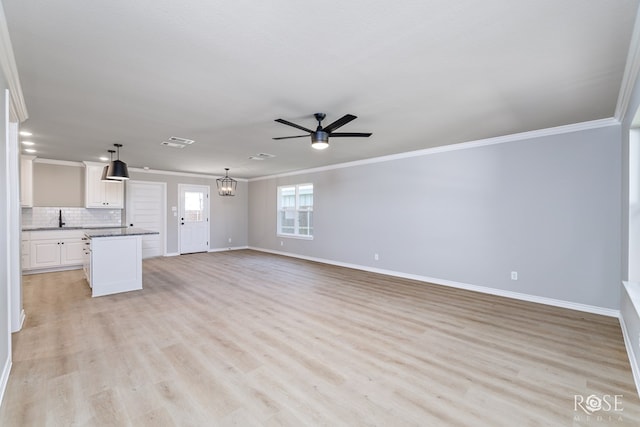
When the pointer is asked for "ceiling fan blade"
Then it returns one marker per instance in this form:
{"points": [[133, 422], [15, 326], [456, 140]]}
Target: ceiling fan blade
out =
{"points": [[350, 134], [340, 122], [285, 122], [289, 137]]}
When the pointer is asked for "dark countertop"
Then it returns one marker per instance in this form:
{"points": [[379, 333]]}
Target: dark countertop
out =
{"points": [[118, 232], [71, 228]]}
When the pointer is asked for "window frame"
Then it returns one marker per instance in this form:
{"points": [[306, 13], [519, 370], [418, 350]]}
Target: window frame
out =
{"points": [[296, 209]]}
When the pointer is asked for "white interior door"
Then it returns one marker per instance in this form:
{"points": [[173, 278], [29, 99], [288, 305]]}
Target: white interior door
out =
{"points": [[145, 208], [194, 218]]}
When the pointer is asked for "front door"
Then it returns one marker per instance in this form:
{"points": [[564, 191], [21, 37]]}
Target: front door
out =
{"points": [[194, 218]]}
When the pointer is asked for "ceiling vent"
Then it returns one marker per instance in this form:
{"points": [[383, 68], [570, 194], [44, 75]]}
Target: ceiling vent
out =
{"points": [[181, 140], [172, 144], [261, 156]]}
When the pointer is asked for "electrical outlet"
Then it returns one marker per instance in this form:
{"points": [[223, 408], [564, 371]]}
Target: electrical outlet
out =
{"points": [[376, 257], [514, 275], [281, 243], [229, 239]]}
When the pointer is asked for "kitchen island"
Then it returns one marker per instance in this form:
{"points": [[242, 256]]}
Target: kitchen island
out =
{"points": [[113, 260]]}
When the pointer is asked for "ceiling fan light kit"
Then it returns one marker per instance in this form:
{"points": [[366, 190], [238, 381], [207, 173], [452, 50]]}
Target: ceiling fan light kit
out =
{"points": [[319, 140], [320, 137]]}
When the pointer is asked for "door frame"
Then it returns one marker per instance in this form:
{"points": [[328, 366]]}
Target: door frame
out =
{"points": [[207, 188], [164, 210]]}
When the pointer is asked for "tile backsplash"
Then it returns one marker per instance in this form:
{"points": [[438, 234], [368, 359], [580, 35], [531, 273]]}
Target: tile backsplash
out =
{"points": [[72, 217]]}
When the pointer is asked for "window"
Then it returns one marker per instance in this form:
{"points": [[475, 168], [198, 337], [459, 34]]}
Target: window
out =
{"points": [[193, 206], [295, 210]]}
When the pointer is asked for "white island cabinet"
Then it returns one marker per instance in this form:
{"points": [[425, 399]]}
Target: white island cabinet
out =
{"points": [[113, 260]]}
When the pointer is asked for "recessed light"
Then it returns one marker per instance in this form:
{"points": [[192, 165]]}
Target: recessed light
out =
{"points": [[104, 159], [25, 133], [28, 143], [29, 150]]}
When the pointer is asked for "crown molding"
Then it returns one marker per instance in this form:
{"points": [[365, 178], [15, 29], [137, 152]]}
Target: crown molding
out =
{"points": [[59, 162], [188, 174], [631, 72], [558, 130], [10, 70]]}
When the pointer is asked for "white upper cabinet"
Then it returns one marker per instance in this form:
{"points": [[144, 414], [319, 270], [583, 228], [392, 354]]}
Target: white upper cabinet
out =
{"points": [[100, 194], [26, 181]]}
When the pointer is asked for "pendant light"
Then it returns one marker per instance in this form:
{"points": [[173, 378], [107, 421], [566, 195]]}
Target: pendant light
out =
{"points": [[117, 168], [106, 168], [226, 185]]}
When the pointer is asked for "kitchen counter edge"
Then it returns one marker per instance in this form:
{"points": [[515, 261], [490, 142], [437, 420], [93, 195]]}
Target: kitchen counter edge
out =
{"points": [[118, 232]]}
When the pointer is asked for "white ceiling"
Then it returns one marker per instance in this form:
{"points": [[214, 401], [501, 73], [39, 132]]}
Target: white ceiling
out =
{"points": [[417, 73]]}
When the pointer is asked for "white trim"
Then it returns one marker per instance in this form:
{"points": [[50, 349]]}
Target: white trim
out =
{"points": [[172, 254], [26, 272], [558, 130], [189, 174], [635, 369], [482, 289], [23, 317], [63, 162], [4, 379], [232, 248], [10, 70], [132, 169], [631, 70]]}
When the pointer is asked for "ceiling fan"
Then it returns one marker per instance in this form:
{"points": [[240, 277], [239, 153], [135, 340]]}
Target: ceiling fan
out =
{"points": [[320, 136]]}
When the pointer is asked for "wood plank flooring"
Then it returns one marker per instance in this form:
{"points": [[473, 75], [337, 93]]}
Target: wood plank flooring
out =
{"points": [[252, 339]]}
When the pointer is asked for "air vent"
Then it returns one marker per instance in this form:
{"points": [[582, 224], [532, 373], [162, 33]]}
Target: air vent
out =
{"points": [[181, 140], [172, 144], [261, 156]]}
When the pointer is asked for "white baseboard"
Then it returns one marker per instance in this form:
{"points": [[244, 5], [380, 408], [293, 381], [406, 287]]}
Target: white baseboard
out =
{"points": [[22, 317], [483, 289], [232, 248], [633, 361], [51, 270], [4, 380], [172, 254]]}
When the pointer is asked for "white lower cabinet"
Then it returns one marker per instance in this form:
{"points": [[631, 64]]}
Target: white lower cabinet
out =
{"points": [[53, 249]]}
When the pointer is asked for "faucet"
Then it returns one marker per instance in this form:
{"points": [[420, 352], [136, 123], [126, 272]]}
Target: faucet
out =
{"points": [[60, 223]]}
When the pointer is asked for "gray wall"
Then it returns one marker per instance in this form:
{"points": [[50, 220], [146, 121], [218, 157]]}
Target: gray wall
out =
{"points": [[548, 208], [58, 185], [228, 215]]}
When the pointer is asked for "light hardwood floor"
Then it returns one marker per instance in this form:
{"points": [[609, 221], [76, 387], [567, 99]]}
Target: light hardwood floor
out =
{"points": [[250, 339]]}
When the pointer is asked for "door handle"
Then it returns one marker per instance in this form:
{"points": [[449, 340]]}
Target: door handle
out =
{"points": [[130, 225]]}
